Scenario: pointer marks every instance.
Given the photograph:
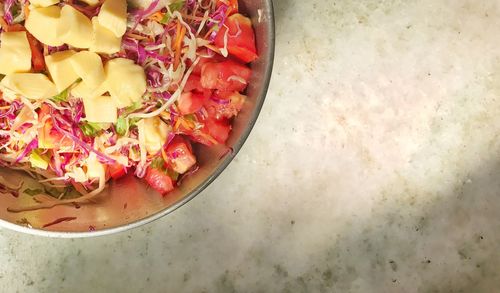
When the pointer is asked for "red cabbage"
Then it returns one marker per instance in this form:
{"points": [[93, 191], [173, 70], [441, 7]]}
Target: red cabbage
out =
{"points": [[102, 157], [7, 5], [31, 146], [140, 14]]}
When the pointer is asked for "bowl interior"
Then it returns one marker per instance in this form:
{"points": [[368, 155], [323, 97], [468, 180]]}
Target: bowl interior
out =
{"points": [[128, 203]]}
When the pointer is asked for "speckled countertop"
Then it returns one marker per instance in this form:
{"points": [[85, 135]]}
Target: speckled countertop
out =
{"points": [[374, 167]]}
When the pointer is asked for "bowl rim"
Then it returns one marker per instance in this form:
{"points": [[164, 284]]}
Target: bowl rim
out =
{"points": [[228, 159]]}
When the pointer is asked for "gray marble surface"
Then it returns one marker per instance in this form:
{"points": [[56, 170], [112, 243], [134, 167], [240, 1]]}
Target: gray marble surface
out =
{"points": [[373, 168]]}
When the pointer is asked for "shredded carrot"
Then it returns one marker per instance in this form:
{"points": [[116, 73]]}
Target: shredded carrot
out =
{"points": [[180, 33], [157, 16], [210, 32], [26, 9], [3, 24]]}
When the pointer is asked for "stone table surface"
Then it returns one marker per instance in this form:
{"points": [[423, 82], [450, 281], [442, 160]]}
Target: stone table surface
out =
{"points": [[374, 167]]}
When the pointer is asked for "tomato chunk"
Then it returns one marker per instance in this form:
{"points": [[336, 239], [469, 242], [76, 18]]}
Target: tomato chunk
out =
{"points": [[232, 5], [225, 76], [159, 181], [37, 59], [193, 83], [48, 136], [240, 38], [117, 170], [225, 104], [218, 129], [190, 103], [180, 155]]}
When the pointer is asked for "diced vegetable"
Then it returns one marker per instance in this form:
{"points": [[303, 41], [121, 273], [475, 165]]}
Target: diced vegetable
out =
{"points": [[180, 155], [48, 137], [232, 5], [225, 76], [189, 103], [117, 170], [159, 180], [225, 104], [37, 58], [240, 37], [218, 129]]}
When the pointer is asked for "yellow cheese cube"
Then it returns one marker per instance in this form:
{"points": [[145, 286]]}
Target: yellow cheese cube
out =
{"points": [[125, 81], [43, 3], [155, 132], [15, 53], [41, 23], [88, 65], [61, 70], [113, 16], [100, 109], [84, 91], [74, 28], [103, 40], [31, 85]]}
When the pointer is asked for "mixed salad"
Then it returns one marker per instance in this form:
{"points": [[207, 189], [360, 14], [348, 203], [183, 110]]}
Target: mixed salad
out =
{"points": [[92, 90]]}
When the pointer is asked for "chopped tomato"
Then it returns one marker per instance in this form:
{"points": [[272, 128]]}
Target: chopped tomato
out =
{"points": [[218, 129], [189, 103], [240, 38], [203, 61], [232, 5], [117, 170], [159, 180], [180, 155], [193, 83], [37, 59], [48, 136], [225, 76], [225, 104]]}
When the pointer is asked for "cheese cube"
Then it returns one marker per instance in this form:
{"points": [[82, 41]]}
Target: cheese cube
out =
{"points": [[41, 23], [31, 85], [155, 132], [125, 81], [88, 65], [61, 70], [74, 28], [100, 109], [103, 40], [113, 16], [15, 53], [43, 3], [84, 91]]}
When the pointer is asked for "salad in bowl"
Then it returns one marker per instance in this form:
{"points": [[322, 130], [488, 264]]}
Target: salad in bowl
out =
{"points": [[93, 90]]}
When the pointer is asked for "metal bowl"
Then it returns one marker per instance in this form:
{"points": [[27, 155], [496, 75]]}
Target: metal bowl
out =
{"points": [[129, 203]]}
